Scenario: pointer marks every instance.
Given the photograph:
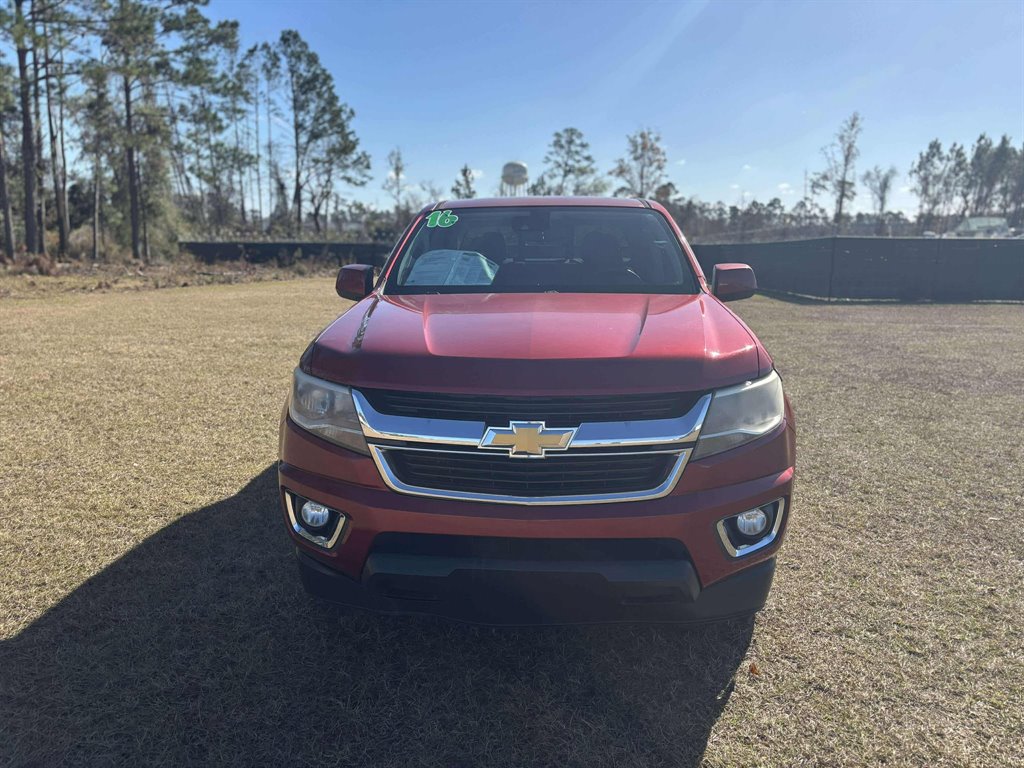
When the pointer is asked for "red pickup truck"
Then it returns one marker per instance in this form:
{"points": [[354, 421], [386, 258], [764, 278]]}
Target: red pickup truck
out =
{"points": [[539, 412]]}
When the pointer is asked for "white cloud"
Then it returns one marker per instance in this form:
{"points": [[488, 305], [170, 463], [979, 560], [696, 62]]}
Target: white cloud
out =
{"points": [[734, 186], [681, 162], [477, 173], [748, 167], [906, 189], [786, 188]]}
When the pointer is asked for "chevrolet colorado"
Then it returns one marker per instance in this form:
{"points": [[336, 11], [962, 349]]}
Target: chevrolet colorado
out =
{"points": [[539, 412]]}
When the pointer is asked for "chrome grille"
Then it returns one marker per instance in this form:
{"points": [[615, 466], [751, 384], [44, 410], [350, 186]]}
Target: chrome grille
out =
{"points": [[605, 461], [555, 476]]}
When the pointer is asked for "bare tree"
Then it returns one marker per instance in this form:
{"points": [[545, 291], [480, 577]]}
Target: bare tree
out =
{"points": [[642, 170], [879, 184], [431, 191], [394, 182], [838, 179]]}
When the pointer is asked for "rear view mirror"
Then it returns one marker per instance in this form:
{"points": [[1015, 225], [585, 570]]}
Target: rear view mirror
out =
{"points": [[354, 281], [733, 281]]}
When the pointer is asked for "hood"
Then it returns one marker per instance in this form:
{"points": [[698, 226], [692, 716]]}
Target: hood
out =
{"points": [[537, 343]]}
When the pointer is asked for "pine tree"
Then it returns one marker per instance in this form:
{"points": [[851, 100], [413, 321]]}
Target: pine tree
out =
{"points": [[325, 150], [642, 170], [463, 189], [569, 167]]}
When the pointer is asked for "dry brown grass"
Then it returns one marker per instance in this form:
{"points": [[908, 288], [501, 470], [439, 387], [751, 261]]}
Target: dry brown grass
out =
{"points": [[24, 280], [150, 613]]}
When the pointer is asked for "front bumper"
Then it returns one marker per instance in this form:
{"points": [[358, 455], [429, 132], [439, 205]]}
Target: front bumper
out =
{"points": [[540, 592], [705, 583]]}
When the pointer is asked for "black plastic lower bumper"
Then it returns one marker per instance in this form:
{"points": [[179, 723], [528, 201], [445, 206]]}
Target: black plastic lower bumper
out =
{"points": [[517, 592]]}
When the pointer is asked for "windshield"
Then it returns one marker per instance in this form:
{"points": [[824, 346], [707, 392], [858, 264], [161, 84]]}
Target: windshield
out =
{"points": [[532, 249]]}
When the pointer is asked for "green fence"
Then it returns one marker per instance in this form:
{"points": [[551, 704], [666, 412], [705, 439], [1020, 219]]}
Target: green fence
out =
{"points": [[881, 268], [904, 268]]}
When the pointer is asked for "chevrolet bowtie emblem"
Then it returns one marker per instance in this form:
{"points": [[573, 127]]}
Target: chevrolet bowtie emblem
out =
{"points": [[527, 439]]}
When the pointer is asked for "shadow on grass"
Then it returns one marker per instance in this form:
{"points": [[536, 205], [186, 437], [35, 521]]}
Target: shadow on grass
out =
{"points": [[199, 647]]}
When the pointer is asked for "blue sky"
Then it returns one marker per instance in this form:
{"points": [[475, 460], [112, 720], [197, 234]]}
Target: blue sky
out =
{"points": [[744, 94]]}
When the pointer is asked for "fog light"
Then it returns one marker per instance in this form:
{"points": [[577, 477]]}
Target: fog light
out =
{"points": [[753, 530], [315, 515], [314, 522], [751, 523]]}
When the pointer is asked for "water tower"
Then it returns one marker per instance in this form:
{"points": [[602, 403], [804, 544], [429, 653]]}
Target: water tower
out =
{"points": [[514, 179]]}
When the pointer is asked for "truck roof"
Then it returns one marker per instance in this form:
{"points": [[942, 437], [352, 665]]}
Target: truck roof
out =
{"points": [[518, 202]]}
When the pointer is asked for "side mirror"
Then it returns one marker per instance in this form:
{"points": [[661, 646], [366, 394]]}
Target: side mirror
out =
{"points": [[354, 281], [733, 281]]}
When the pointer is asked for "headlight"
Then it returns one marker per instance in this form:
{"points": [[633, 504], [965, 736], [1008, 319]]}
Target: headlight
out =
{"points": [[740, 414], [326, 410]]}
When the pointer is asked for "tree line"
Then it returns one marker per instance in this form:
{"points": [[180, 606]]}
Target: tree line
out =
{"points": [[128, 124], [170, 126], [950, 185]]}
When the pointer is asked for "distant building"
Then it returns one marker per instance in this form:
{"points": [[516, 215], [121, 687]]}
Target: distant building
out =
{"points": [[983, 226]]}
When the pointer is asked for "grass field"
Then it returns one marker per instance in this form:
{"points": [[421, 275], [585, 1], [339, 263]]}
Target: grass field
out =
{"points": [[150, 613]]}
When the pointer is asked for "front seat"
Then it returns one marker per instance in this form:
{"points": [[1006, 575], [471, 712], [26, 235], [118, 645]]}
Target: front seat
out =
{"points": [[491, 245], [599, 252]]}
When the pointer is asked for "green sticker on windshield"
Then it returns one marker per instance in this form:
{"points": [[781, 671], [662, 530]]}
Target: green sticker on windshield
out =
{"points": [[441, 219]]}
